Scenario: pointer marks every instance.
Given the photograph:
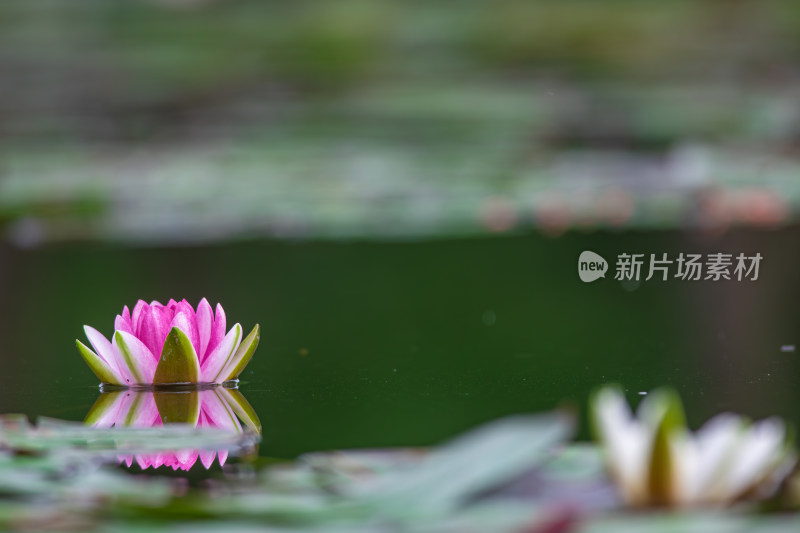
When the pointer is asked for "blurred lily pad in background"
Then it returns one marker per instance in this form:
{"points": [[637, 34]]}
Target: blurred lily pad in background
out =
{"points": [[389, 118]]}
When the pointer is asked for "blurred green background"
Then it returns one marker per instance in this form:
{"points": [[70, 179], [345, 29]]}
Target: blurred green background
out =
{"points": [[398, 191]]}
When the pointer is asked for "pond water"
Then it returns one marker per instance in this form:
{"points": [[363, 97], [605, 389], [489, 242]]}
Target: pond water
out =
{"points": [[370, 344]]}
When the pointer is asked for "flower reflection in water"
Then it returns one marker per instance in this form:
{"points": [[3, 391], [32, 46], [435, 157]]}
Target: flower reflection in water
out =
{"points": [[219, 408]]}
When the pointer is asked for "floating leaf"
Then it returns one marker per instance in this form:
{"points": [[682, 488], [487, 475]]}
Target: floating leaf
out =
{"points": [[475, 462]]}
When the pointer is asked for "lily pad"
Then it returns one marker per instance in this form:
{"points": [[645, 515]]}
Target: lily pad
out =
{"points": [[52, 435]]}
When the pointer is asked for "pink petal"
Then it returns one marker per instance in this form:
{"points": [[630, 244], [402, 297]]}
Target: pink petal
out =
{"points": [[136, 318], [218, 414], [205, 319], [187, 309], [154, 328], [108, 353], [188, 326], [223, 456], [141, 358], [189, 463], [184, 456], [114, 414], [123, 321], [221, 354], [146, 414], [217, 330], [122, 325], [207, 458]]}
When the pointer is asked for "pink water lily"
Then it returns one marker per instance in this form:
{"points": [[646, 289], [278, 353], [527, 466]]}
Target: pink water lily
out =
{"points": [[217, 409], [168, 344]]}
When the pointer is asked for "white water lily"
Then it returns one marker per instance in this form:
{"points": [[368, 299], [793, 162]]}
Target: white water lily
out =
{"points": [[656, 461]]}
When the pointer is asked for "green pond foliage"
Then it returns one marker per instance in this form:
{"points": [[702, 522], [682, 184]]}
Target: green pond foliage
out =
{"points": [[515, 474], [169, 120]]}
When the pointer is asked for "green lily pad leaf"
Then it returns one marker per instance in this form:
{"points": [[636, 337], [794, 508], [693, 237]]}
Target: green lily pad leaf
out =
{"points": [[174, 407], [52, 435], [98, 366], [467, 465], [178, 363], [242, 356], [241, 407]]}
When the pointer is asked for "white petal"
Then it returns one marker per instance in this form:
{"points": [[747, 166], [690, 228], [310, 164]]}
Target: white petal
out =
{"points": [[627, 443], [759, 451], [715, 447]]}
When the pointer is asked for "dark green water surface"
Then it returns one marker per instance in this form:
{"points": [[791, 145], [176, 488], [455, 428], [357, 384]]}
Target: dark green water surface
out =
{"points": [[407, 343]]}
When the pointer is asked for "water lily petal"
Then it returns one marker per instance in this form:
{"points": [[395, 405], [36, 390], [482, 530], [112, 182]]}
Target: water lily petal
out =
{"points": [[627, 442], [178, 362], [183, 457], [137, 315], [217, 330], [242, 356], [236, 401], [109, 354], [205, 319], [760, 449], [223, 352], [145, 412], [137, 356], [708, 457], [218, 414], [155, 326], [186, 324], [106, 409], [123, 321], [101, 369], [207, 458]]}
